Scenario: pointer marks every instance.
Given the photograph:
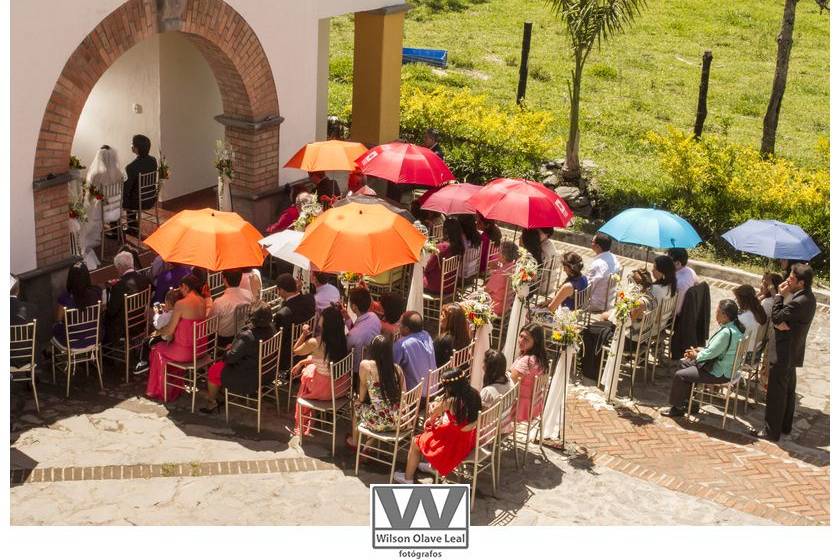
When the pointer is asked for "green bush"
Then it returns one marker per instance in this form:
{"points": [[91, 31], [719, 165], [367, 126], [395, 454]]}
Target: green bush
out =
{"points": [[341, 69], [717, 185], [538, 72], [603, 71], [482, 141]]}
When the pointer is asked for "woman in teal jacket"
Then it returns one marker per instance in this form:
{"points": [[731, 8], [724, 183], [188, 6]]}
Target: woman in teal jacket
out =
{"points": [[710, 365]]}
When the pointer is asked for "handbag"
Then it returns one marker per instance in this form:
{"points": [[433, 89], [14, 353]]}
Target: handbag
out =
{"points": [[707, 365]]}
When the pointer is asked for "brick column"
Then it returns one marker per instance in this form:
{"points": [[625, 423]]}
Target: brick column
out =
{"points": [[52, 234], [376, 74]]}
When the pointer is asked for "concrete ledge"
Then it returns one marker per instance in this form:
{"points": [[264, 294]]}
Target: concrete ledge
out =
{"points": [[711, 270]]}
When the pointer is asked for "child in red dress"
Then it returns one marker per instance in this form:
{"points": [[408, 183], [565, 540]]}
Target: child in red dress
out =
{"points": [[449, 432]]}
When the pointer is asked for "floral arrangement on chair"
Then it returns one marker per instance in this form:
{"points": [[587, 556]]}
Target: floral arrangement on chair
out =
{"points": [[626, 300], [78, 208], [524, 271], [92, 191], [566, 329], [349, 279], [75, 163], [329, 201], [429, 247], [478, 307], [308, 213], [163, 168], [225, 157]]}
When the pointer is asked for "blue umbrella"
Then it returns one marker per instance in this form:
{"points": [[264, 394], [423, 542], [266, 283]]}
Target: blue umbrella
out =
{"points": [[773, 239], [652, 228]]}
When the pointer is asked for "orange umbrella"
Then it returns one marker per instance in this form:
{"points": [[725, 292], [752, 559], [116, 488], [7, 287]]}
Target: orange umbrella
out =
{"points": [[362, 238], [208, 238], [332, 155]]}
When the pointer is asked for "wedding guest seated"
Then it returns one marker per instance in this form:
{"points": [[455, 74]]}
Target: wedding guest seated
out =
{"points": [[161, 318], [251, 282], [130, 282], [129, 248], [237, 370], [188, 311], [393, 306], [686, 277], [641, 278], [496, 381], [331, 346], [472, 240], [603, 266], [574, 282], [78, 294], [490, 233], [665, 278], [366, 326], [201, 274], [531, 363], [449, 432], [711, 365], [290, 214], [326, 293], [225, 305], [297, 308], [414, 352], [531, 241], [454, 333], [452, 245], [381, 384], [168, 278], [751, 315], [498, 285]]}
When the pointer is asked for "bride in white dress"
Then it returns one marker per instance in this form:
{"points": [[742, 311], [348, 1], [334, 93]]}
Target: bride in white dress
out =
{"points": [[103, 171]]}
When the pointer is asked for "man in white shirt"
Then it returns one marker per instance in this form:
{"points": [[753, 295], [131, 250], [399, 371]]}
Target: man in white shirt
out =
{"points": [[225, 305], [325, 293], [603, 266], [686, 277]]}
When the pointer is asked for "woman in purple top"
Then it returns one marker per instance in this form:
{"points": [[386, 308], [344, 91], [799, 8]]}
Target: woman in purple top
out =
{"points": [[574, 282], [79, 293]]}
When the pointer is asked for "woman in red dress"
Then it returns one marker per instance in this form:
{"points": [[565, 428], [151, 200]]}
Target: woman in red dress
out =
{"points": [[449, 433]]}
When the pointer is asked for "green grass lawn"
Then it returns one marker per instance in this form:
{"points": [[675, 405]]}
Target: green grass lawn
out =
{"points": [[646, 79]]}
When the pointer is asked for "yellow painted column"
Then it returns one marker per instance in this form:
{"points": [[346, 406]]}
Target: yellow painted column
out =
{"points": [[377, 61]]}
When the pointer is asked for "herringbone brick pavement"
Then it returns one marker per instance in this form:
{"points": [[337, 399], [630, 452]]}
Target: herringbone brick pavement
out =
{"points": [[737, 471]]}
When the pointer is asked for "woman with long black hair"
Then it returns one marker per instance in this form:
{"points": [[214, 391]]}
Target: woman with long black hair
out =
{"points": [[453, 244], [380, 382], [665, 278], [532, 362]]}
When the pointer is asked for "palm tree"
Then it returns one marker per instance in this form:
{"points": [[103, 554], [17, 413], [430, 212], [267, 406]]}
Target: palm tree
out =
{"points": [[588, 23]]}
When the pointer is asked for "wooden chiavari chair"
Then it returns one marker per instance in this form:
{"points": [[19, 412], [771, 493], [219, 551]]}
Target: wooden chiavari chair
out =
{"points": [[81, 343], [148, 188], [324, 414], [702, 391], [111, 202], [203, 353], [135, 330], [268, 367], [433, 303], [22, 342]]}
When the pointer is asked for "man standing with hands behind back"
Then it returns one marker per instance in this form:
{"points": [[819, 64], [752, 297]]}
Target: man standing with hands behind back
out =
{"points": [[143, 163], [791, 321]]}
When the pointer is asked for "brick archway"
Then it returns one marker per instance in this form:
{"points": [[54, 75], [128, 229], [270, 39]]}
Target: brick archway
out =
{"points": [[238, 61]]}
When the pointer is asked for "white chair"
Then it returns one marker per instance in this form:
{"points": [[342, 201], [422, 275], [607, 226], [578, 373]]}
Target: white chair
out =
{"points": [[436, 232], [271, 296], [582, 300], [702, 391], [268, 367], [538, 394], [494, 254], [288, 386], [483, 456], [756, 362], [203, 353], [22, 342], [636, 350], [507, 426], [463, 357], [147, 195], [323, 414], [81, 343], [470, 267], [499, 326], [241, 316], [135, 330], [663, 332], [400, 438], [433, 303], [216, 284], [111, 203]]}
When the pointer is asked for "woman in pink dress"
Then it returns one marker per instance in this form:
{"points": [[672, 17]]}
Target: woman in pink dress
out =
{"points": [[315, 379], [189, 310], [530, 363]]}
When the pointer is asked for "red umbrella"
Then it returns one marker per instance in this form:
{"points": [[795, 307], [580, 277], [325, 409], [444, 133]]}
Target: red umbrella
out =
{"points": [[523, 203], [404, 163], [451, 199]]}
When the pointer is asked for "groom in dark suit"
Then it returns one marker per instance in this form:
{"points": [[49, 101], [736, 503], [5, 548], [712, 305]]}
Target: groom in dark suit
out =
{"points": [[143, 163], [791, 321]]}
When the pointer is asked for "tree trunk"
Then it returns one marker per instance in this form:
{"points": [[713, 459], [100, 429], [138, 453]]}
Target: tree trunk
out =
{"points": [[571, 166], [700, 118], [785, 41]]}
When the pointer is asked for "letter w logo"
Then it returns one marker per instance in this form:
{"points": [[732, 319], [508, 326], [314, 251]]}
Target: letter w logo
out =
{"points": [[437, 520]]}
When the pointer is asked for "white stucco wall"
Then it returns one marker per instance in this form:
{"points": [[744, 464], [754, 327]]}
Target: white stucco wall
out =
{"points": [[189, 99], [108, 116], [287, 29]]}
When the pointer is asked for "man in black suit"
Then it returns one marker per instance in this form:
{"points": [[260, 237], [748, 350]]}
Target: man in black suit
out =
{"points": [[324, 187], [143, 163], [791, 321], [129, 282], [297, 308]]}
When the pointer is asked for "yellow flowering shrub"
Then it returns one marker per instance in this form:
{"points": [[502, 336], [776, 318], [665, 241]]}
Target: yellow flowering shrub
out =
{"points": [[717, 185], [481, 140]]}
